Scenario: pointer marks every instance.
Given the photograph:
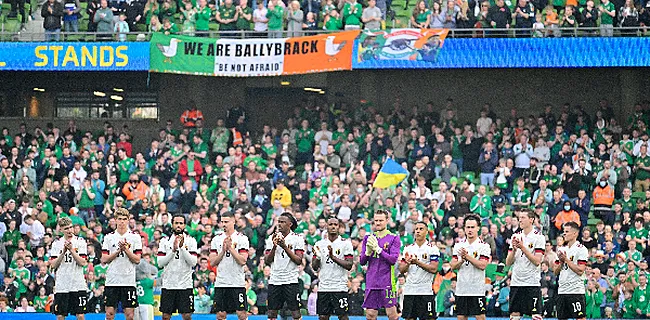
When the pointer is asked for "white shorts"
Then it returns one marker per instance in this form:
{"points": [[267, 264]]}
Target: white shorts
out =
{"points": [[144, 312]]}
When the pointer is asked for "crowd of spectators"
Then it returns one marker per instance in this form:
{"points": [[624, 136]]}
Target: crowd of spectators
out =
{"points": [[565, 163], [278, 18]]}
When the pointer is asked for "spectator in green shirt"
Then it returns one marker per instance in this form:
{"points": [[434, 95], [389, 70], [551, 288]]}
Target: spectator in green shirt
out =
{"points": [[203, 18], [275, 14], [333, 22], [305, 142], [227, 17], [244, 16], [352, 12], [607, 14]]}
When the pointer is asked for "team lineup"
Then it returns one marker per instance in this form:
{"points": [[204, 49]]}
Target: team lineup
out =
{"points": [[332, 259]]}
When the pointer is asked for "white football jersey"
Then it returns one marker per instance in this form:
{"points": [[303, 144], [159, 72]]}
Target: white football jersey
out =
{"points": [[569, 282], [69, 276], [418, 280], [229, 273], [332, 277], [121, 271], [283, 270], [524, 272], [471, 280], [177, 266]]}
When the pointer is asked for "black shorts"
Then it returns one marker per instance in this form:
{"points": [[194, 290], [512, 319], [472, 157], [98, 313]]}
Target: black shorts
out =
{"points": [[285, 293], [526, 300], [128, 296], [329, 303], [419, 307], [230, 300], [571, 306], [470, 306], [173, 301], [66, 303]]}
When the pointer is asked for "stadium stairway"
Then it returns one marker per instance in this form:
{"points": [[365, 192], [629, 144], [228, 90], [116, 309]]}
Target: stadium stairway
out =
{"points": [[34, 27]]}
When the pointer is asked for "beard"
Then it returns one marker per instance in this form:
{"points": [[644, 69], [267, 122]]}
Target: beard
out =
{"points": [[178, 232]]}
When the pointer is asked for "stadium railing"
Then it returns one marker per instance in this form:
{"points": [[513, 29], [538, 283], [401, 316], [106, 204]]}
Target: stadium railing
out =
{"points": [[453, 33]]}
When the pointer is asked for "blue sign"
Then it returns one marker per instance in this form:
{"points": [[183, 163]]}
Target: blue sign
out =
{"points": [[517, 53], [74, 56]]}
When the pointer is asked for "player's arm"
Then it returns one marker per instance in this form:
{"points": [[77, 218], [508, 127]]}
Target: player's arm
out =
{"points": [[295, 256], [578, 268], [535, 256], [134, 256], [108, 257], [431, 267], [315, 261], [480, 262], [164, 256], [404, 264], [55, 260], [557, 267], [394, 252], [241, 254], [189, 254], [456, 260], [345, 263], [79, 257], [216, 256], [510, 258], [269, 254], [363, 258]]}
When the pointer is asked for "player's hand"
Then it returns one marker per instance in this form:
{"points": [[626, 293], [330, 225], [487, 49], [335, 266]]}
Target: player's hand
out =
{"points": [[318, 253], [562, 256], [414, 260], [68, 246], [331, 251], [227, 244], [516, 243], [177, 244], [463, 253]]}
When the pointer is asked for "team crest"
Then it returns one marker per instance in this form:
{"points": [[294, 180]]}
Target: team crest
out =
{"points": [[475, 254], [338, 252], [530, 245], [290, 247], [386, 246], [424, 256], [571, 258]]}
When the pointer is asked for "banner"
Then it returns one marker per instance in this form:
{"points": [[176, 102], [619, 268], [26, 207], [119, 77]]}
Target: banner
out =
{"points": [[385, 47], [463, 53], [252, 57], [74, 56]]}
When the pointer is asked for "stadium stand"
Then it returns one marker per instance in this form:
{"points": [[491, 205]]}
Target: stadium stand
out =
{"points": [[599, 165]]}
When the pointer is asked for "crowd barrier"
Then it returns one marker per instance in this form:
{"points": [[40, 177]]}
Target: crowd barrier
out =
{"points": [[120, 316], [384, 49]]}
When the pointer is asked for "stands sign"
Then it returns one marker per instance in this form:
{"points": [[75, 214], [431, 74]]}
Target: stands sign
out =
{"points": [[252, 57], [74, 56]]}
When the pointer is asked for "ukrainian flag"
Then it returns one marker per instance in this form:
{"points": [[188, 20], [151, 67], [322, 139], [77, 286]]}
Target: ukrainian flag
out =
{"points": [[391, 174]]}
